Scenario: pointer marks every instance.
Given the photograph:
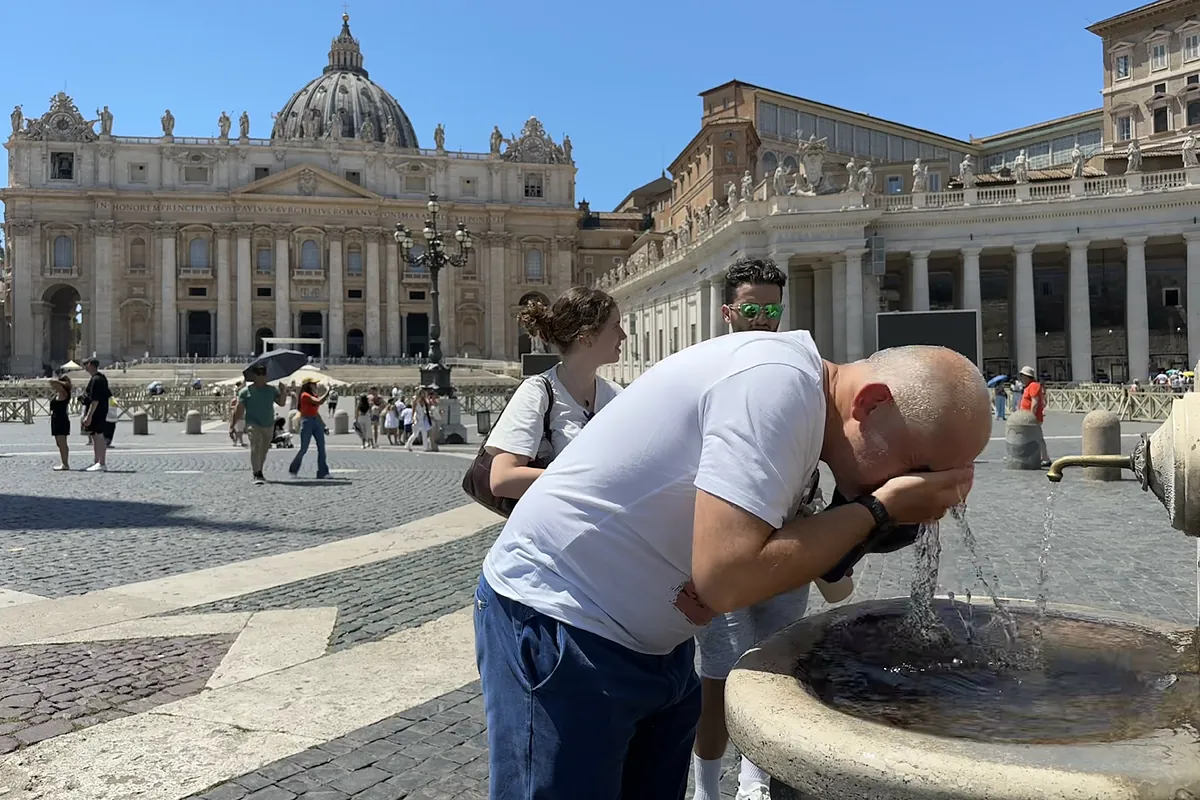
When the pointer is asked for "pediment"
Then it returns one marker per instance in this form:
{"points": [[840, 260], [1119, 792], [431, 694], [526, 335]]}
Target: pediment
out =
{"points": [[306, 180]]}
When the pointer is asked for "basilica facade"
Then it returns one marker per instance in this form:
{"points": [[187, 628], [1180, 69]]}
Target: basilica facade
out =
{"points": [[168, 245]]}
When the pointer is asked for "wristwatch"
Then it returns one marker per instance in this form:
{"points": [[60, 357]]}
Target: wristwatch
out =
{"points": [[883, 520]]}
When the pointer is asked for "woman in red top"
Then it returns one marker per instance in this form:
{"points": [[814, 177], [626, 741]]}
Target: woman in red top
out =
{"points": [[1033, 399], [311, 427]]}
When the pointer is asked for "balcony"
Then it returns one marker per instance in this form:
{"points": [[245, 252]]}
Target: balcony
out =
{"points": [[416, 275], [309, 275], [49, 271], [195, 273]]}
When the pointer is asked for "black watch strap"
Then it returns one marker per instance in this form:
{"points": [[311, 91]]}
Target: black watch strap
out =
{"points": [[883, 520]]}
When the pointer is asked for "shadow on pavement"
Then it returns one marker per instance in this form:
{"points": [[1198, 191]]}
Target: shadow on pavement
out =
{"points": [[28, 512]]}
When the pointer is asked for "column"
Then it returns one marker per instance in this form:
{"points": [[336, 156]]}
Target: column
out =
{"points": [[393, 299], [716, 299], [854, 304], [24, 332], [705, 311], [1193, 296], [224, 329], [337, 294], [38, 313], [181, 345], [919, 280], [102, 289], [972, 297], [372, 292], [283, 282], [1024, 319], [168, 315], [212, 333], [837, 290], [497, 282], [870, 308], [1137, 323], [823, 310], [449, 301], [245, 293], [1079, 313]]}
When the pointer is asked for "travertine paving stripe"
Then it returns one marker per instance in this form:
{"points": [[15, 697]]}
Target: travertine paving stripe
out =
{"points": [[151, 627], [10, 597], [275, 640], [56, 618], [186, 746]]}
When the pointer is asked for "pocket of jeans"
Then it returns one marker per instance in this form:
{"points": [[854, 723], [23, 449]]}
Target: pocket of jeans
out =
{"points": [[541, 647]]}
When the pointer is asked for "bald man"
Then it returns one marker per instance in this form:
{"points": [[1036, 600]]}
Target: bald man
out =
{"points": [[677, 503]]}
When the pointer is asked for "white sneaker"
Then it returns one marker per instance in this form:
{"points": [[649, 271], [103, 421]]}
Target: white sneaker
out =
{"points": [[97, 468], [756, 792]]}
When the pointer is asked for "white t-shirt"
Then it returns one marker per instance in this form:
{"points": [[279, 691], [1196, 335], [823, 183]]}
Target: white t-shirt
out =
{"points": [[602, 540], [520, 428], [406, 416]]}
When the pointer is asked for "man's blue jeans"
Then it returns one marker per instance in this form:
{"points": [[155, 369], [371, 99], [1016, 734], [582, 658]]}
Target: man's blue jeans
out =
{"points": [[1001, 404], [311, 428], [572, 715]]}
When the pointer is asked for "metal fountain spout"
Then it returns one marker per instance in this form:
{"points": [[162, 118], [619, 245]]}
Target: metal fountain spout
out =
{"points": [[1166, 463]]}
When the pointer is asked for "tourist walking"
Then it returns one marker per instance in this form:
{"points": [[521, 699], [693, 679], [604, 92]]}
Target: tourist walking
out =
{"points": [[548, 411], [256, 404], [406, 423], [391, 422], [311, 427], [423, 410], [60, 419], [678, 503], [362, 421], [1033, 399], [1000, 398], [95, 418]]}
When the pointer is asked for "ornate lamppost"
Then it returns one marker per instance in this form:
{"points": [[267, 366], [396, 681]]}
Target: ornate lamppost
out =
{"points": [[434, 258]]}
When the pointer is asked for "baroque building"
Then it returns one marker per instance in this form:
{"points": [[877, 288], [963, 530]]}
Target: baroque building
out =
{"points": [[173, 245], [1076, 239]]}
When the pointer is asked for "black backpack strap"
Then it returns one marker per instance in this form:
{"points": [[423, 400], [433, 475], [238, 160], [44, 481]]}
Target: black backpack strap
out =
{"points": [[549, 408]]}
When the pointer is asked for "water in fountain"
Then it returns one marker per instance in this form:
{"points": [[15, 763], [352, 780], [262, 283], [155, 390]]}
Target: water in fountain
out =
{"points": [[1003, 616], [921, 623], [1042, 600]]}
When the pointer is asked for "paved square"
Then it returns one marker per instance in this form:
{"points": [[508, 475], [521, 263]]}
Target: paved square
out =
{"points": [[170, 630]]}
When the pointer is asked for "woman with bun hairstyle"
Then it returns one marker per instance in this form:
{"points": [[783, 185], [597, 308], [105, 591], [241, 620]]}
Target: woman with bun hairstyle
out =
{"points": [[584, 325]]}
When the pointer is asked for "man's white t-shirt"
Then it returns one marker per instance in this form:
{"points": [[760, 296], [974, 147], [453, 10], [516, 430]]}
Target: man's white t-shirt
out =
{"points": [[521, 428], [602, 541]]}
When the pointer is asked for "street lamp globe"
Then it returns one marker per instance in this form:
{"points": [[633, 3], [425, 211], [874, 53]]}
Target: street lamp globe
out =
{"points": [[429, 232], [460, 235], [432, 205]]}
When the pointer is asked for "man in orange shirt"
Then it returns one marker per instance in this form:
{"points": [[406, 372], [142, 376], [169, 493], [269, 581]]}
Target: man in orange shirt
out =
{"points": [[1033, 399]]}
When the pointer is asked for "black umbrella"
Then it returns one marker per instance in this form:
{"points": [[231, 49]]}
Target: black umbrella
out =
{"points": [[279, 364]]}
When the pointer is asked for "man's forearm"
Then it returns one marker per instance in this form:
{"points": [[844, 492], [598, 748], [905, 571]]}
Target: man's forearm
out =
{"points": [[801, 551]]}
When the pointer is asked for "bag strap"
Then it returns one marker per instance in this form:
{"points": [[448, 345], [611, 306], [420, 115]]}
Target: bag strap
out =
{"points": [[549, 408]]}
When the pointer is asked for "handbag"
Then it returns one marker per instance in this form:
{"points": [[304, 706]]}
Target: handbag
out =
{"points": [[477, 483]]}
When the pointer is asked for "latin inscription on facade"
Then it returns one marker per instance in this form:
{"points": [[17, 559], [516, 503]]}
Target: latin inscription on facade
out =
{"points": [[290, 211]]}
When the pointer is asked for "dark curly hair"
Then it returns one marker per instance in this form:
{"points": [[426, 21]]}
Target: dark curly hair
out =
{"points": [[755, 272], [579, 312]]}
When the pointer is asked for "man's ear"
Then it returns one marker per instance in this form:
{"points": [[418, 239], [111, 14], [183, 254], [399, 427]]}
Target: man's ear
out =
{"points": [[870, 397]]}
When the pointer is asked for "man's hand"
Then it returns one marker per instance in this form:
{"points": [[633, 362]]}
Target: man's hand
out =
{"points": [[925, 496], [87, 421]]}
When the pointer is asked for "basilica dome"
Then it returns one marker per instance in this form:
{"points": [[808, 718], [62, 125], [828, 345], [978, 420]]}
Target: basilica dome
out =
{"points": [[344, 103]]}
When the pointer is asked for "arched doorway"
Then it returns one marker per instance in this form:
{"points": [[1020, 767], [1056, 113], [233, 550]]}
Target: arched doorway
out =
{"points": [[524, 343], [199, 334], [355, 343], [311, 326], [64, 323], [259, 335]]}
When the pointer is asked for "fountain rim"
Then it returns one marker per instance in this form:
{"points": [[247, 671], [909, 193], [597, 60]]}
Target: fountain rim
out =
{"points": [[813, 747]]}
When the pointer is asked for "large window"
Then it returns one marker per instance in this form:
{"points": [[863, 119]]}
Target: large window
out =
{"points": [[1193, 112], [1162, 120], [768, 119], [354, 262], [310, 255], [534, 269], [1121, 66], [64, 252], [262, 259], [1158, 55], [198, 253], [1124, 128], [1191, 47], [770, 162], [137, 255], [534, 185]]}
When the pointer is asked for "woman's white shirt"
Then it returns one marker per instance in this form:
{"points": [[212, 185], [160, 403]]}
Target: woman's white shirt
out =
{"points": [[520, 428]]}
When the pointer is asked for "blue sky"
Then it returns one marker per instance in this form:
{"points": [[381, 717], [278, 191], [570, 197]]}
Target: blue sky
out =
{"points": [[621, 77]]}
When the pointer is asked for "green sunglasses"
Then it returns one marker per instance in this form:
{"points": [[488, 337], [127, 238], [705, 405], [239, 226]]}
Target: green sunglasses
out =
{"points": [[752, 310]]}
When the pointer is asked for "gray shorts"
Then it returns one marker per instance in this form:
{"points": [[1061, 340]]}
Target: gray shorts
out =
{"points": [[729, 636]]}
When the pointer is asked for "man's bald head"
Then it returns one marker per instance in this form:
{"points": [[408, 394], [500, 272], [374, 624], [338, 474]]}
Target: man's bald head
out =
{"points": [[906, 409]]}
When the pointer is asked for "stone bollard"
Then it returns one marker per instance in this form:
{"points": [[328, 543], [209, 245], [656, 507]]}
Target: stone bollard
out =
{"points": [[141, 423], [341, 422], [1022, 437], [1102, 437], [194, 420]]}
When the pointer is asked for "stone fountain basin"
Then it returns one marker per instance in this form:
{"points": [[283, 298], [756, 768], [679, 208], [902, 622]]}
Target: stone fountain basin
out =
{"points": [[820, 752]]}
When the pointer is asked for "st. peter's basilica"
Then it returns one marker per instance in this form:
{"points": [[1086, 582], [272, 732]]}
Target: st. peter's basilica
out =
{"points": [[171, 245]]}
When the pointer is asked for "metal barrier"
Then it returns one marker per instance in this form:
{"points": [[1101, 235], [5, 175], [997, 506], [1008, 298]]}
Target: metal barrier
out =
{"points": [[1148, 405], [16, 411]]}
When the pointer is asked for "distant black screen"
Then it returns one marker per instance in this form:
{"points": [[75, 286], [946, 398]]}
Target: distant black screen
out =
{"points": [[953, 329]]}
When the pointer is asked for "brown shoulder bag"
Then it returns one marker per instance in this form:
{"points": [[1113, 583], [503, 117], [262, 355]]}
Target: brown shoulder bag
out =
{"points": [[477, 483]]}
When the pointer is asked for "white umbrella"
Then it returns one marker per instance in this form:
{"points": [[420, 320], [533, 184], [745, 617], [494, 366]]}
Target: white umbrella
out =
{"points": [[305, 374], [69, 366]]}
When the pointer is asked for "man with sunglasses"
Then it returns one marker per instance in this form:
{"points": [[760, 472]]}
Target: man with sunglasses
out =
{"points": [[754, 290], [678, 503]]}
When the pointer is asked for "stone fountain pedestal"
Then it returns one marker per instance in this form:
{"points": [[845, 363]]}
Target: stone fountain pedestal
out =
{"points": [[816, 752]]}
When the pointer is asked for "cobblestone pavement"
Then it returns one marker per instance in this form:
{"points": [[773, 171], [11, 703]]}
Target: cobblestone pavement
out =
{"points": [[49, 690], [173, 510], [380, 599]]}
